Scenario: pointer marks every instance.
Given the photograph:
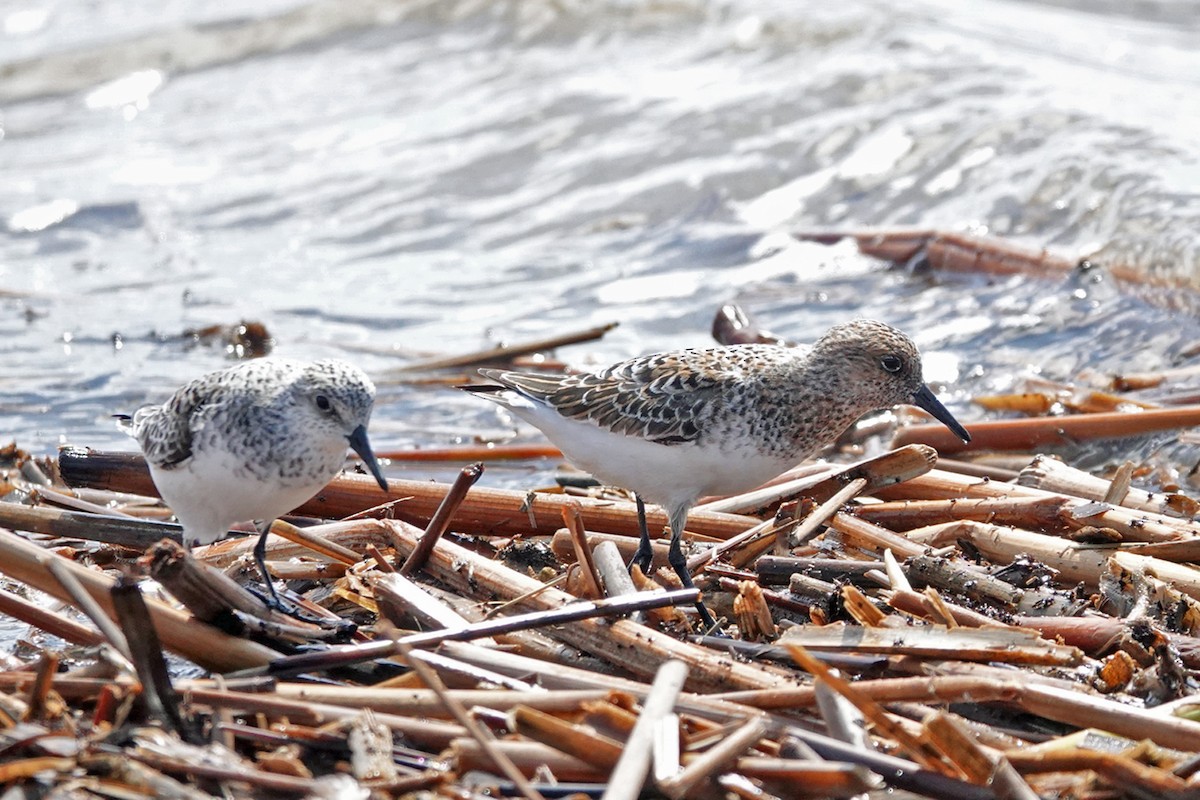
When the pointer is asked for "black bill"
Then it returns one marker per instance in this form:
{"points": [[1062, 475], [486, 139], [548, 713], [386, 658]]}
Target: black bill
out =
{"points": [[923, 398], [358, 441]]}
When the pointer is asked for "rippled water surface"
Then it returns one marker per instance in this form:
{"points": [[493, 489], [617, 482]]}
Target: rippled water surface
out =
{"points": [[383, 180]]}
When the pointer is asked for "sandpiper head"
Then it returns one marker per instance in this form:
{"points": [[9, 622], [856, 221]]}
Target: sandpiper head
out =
{"points": [[886, 366], [337, 399]]}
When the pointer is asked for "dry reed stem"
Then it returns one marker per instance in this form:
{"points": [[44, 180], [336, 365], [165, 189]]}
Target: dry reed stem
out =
{"points": [[440, 521], [628, 776], [46, 620], [485, 511], [180, 633], [596, 749], [1031, 435], [505, 352], [636, 648], [1052, 475], [480, 734], [719, 756], [432, 734]]}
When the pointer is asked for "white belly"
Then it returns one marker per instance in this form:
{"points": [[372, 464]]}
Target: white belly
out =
{"points": [[208, 495], [668, 475]]}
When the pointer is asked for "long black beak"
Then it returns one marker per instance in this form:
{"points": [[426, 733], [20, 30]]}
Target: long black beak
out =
{"points": [[358, 441], [923, 398]]}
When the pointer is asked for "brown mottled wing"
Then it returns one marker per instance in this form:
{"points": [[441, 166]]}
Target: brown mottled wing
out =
{"points": [[665, 398]]}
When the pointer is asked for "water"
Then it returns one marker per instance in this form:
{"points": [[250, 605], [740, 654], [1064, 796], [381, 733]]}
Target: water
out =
{"points": [[378, 180]]}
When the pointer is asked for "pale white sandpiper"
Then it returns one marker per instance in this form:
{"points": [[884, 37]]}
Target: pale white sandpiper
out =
{"points": [[253, 442]]}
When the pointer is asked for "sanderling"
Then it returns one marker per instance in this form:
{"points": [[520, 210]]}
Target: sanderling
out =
{"points": [[674, 427], [254, 441]]}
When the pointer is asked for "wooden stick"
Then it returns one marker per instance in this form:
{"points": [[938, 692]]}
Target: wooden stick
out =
{"points": [[484, 512], [208, 647], [574, 612], [628, 777], [464, 718], [506, 352], [1047, 432], [719, 755], [440, 520], [44, 619], [137, 534]]}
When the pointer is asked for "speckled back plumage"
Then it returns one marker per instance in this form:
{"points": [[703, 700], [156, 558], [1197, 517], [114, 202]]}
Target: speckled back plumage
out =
{"points": [[249, 410], [788, 402], [253, 441]]}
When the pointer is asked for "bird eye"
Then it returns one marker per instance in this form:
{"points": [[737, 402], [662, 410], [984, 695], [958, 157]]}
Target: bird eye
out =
{"points": [[323, 403], [891, 363]]}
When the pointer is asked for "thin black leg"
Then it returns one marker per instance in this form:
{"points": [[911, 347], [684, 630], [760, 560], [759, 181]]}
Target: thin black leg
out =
{"points": [[644, 555], [260, 558], [679, 564]]}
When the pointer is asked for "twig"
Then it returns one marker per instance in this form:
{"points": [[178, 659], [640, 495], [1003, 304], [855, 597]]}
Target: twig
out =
{"points": [[583, 554], [506, 352], [574, 612], [482, 736], [627, 778], [441, 518]]}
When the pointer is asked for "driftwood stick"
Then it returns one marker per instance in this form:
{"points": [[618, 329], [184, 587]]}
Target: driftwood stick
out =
{"points": [[485, 511], [1076, 512], [464, 718], [867, 535], [44, 619], [1074, 562], [145, 652], [574, 612], [312, 540], [398, 596], [1052, 475], [23, 561], [136, 534], [423, 732], [629, 775], [207, 592], [1045, 432], [612, 570], [440, 521], [821, 514], [716, 757], [423, 702], [507, 352], [574, 740]]}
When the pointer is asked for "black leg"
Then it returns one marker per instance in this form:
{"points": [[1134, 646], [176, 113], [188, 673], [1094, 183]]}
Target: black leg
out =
{"points": [[644, 555], [260, 558], [678, 563]]}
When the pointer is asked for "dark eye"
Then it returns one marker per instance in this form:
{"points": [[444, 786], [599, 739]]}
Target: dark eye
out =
{"points": [[323, 403], [892, 363]]}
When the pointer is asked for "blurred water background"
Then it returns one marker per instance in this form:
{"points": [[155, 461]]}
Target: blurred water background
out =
{"points": [[379, 180]]}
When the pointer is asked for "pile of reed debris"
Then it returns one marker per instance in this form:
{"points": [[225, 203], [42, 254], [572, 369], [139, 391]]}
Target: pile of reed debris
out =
{"points": [[889, 624], [894, 627]]}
